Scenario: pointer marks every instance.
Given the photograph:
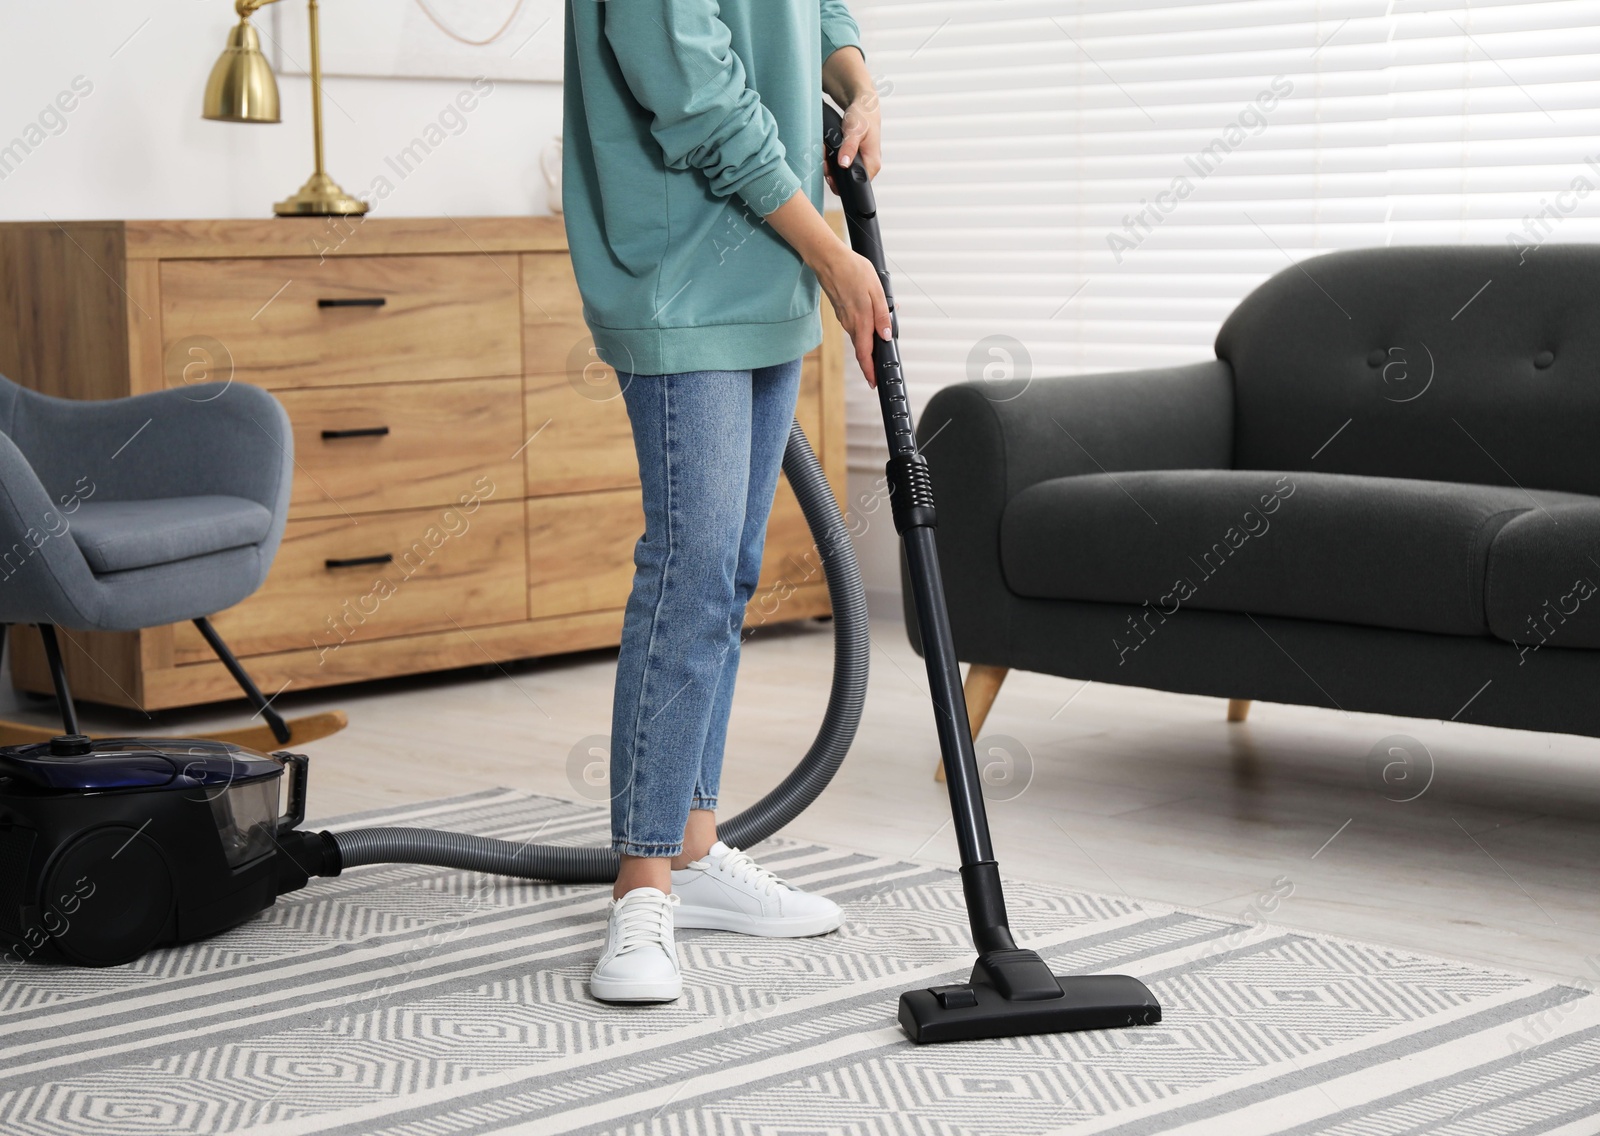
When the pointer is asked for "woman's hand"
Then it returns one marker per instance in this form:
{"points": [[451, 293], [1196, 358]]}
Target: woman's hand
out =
{"points": [[848, 278], [848, 82], [857, 294]]}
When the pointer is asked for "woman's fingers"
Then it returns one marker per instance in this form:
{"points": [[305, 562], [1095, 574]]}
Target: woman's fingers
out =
{"points": [[863, 135], [849, 148], [871, 152], [874, 324], [856, 128], [857, 322], [858, 301], [862, 139], [863, 344], [869, 148]]}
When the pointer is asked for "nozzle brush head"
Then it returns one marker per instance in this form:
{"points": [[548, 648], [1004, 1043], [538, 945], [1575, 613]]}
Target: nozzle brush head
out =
{"points": [[979, 1010]]}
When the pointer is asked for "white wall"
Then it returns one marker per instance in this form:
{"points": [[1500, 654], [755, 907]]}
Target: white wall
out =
{"points": [[136, 146]]}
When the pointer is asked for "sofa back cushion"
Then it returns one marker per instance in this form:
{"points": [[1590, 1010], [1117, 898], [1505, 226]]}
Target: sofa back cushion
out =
{"points": [[1477, 363]]}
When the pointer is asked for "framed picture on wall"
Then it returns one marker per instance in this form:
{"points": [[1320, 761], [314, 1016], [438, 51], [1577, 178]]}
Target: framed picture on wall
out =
{"points": [[424, 39]]}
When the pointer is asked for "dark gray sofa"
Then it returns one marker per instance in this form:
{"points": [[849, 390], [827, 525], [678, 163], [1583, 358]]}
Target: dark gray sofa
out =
{"points": [[1382, 495]]}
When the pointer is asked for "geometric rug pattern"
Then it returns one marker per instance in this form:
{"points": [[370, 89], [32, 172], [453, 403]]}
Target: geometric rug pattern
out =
{"points": [[401, 1000]]}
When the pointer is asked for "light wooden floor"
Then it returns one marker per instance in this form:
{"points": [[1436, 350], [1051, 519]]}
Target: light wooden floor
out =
{"points": [[1131, 791]]}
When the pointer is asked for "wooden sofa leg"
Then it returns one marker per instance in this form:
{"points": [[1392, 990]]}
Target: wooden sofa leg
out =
{"points": [[1238, 709], [983, 683]]}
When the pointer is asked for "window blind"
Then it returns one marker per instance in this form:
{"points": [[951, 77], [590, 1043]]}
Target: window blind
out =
{"points": [[1088, 185]]}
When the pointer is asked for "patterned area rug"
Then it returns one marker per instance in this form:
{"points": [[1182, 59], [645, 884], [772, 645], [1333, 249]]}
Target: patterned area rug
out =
{"points": [[410, 1001]]}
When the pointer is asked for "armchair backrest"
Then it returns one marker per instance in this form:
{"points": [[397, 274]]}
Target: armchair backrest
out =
{"points": [[1476, 363], [21, 426], [213, 438]]}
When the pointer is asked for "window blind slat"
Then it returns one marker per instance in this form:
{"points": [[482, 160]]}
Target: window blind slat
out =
{"points": [[1035, 150]]}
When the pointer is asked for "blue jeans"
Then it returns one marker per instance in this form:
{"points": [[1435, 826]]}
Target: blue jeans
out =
{"points": [[710, 446]]}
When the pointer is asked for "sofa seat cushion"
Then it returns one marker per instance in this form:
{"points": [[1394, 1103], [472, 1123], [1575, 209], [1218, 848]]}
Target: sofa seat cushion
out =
{"points": [[1543, 586], [1384, 552], [116, 536]]}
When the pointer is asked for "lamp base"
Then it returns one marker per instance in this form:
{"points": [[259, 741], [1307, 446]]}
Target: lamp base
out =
{"points": [[320, 197]]}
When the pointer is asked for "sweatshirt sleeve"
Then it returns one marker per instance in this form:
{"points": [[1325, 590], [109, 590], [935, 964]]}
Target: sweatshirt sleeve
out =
{"points": [[839, 28], [677, 59]]}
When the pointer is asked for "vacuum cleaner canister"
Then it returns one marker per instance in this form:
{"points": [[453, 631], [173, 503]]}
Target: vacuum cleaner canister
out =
{"points": [[110, 847]]}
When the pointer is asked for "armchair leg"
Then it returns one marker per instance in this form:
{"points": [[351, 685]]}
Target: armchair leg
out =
{"points": [[58, 676], [982, 685], [1238, 709], [274, 720]]}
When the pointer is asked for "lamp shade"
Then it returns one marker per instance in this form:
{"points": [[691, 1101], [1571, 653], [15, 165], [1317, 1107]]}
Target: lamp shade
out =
{"points": [[242, 87]]}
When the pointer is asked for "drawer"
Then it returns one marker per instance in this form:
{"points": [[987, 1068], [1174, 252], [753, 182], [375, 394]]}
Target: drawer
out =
{"points": [[580, 551], [452, 567], [300, 322], [582, 439], [403, 445], [555, 340]]}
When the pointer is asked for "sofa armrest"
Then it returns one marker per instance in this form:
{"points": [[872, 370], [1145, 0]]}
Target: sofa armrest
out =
{"points": [[987, 442], [1167, 418]]}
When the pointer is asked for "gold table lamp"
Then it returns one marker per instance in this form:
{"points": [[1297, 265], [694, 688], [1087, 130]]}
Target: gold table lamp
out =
{"points": [[242, 89]]}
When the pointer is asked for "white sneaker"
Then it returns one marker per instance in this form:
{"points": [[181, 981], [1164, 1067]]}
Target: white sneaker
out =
{"points": [[728, 891], [640, 960]]}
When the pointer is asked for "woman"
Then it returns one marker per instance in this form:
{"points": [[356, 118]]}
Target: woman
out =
{"points": [[692, 182]]}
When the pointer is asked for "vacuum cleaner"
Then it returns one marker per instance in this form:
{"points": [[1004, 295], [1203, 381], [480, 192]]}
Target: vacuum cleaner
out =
{"points": [[1011, 991], [110, 848]]}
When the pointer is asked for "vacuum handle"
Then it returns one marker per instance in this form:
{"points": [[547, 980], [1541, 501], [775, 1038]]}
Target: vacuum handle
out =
{"points": [[860, 204], [854, 187], [911, 499]]}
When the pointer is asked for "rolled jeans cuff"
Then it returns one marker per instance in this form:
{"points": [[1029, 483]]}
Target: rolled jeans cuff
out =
{"points": [[654, 851]]}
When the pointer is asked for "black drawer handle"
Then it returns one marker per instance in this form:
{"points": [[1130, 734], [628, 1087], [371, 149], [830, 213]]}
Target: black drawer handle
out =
{"points": [[358, 432], [360, 561], [352, 302]]}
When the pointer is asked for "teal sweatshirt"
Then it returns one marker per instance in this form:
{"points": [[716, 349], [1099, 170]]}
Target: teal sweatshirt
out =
{"points": [[686, 123]]}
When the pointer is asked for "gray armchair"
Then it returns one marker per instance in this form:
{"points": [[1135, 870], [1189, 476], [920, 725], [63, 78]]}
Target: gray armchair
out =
{"points": [[128, 513], [1382, 495]]}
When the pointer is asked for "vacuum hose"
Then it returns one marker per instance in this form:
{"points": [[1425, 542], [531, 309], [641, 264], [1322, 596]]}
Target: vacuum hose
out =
{"points": [[803, 785]]}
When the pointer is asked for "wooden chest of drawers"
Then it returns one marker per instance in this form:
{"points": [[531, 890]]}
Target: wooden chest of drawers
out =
{"points": [[465, 489]]}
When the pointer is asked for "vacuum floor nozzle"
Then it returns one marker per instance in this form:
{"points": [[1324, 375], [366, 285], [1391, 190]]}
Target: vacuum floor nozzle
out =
{"points": [[1013, 993]]}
